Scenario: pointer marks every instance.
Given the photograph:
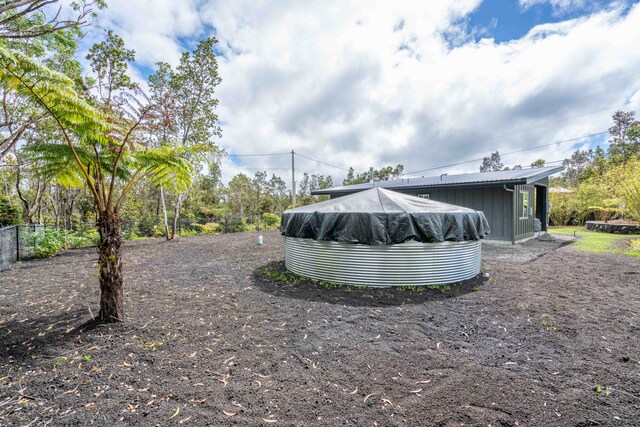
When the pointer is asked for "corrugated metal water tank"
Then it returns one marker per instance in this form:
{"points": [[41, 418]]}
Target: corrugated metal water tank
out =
{"points": [[411, 263], [383, 238]]}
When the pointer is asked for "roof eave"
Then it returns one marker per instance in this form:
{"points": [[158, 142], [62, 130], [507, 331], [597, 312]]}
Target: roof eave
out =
{"points": [[515, 181], [545, 174], [346, 190]]}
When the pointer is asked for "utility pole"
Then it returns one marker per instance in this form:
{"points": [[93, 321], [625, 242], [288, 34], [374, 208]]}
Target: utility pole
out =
{"points": [[293, 179]]}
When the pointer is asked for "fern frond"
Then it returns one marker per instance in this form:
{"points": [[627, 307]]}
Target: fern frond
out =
{"points": [[55, 162], [52, 92]]}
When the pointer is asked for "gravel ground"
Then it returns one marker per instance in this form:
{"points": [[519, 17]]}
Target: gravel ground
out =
{"points": [[549, 339]]}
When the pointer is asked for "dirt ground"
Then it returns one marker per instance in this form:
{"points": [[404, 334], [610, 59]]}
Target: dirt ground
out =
{"points": [[545, 340]]}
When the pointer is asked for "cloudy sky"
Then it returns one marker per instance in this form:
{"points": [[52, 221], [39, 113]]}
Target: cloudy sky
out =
{"points": [[424, 84]]}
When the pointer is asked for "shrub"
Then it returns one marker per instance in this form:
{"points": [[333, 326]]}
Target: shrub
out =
{"points": [[208, 228], [82, 239], [240, 226], [631, 190], [157, 231], [8, 214], [271, 220], [564, 207], [48, 244]]}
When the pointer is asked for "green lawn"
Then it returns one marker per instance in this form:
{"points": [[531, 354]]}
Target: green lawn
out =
{"points": [[593, 241]]}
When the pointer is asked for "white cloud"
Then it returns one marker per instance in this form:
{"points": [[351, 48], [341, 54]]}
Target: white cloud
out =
{"points": [[152, 28], [558, 5], [369, 84]]}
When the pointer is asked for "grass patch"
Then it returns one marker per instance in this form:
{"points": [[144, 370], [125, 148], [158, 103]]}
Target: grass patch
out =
{"points": [[594, 241]]}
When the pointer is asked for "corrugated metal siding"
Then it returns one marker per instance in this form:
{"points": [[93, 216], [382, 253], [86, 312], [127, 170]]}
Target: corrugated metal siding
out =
{"points": [[524, 227], [411, 263], [494, 202]]}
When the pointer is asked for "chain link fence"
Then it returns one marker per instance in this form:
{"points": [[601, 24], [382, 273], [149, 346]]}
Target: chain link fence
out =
{"points": [[19, 242], [22, 242]]}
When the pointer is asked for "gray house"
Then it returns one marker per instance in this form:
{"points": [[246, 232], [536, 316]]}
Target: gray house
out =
{"points": [[511, 200]]}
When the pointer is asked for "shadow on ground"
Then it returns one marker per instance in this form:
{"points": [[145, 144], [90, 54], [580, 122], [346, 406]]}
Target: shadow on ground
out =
{"points": [[273, 278], [34, 338]]}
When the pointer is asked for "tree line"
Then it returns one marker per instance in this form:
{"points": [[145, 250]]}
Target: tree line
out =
{"points": [[91, 146], [596, 184]]}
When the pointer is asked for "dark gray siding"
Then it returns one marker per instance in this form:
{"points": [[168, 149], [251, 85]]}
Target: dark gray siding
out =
{"points": [[524, 222], [543, 181], [494, 202]]}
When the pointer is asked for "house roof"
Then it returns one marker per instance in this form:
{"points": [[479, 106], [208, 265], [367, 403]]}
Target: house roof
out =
{"points": [[510, 177]]}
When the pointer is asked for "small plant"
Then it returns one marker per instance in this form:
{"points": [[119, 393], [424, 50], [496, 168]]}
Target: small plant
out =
{"points": [[598, 389], [409, 288], [329, 285], [442, 288], [550, 326], [282, 276], [476, 288], [86, 358]]}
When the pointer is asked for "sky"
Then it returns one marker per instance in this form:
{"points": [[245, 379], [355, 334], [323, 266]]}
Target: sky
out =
{"points": [[373, 83]]}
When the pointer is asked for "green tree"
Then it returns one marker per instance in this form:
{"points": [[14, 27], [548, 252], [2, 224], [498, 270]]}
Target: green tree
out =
{"points": [[238, 195], [259, 188], [350, 177], [491, 163], [109, 59], [163, 124], [538, 163], [188, 104], [385, 173], [9, 214], [103, 149], [30, 28], [576, 165], [625, 137], [31, 19], [277, 189]]}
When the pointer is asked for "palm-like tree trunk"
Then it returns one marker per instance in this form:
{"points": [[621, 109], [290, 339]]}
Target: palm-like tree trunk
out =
{"points": [[110, 260]]}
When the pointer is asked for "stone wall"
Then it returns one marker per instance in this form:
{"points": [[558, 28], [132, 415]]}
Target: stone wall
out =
{"points": [[605, 227]]}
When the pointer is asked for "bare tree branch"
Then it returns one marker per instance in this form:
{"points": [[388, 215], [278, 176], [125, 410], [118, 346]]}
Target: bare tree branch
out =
{"points": [[10, 28]]}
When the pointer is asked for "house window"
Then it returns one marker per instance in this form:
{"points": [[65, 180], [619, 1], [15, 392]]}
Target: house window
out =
{"points": [[424, 196], [525, 205]]}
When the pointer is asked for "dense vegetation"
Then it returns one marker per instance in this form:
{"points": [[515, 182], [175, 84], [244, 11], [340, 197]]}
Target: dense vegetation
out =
{"points": [[603, 184], [596, 184], [89, 147], [100, 134]]}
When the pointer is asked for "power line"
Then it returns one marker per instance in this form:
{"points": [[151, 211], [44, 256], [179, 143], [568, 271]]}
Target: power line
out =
{"points": [[511, 152], [257, 155], [326, 164], [562, 120], [232, 170], [537, 126]]}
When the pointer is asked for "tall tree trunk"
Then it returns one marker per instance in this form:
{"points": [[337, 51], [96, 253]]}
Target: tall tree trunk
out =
{"points": [[110, 261], [176, 215], [164, 213], [53, 190]]}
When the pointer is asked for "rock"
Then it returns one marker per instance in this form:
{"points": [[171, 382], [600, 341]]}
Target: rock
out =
{"points": [[605, 227]]}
